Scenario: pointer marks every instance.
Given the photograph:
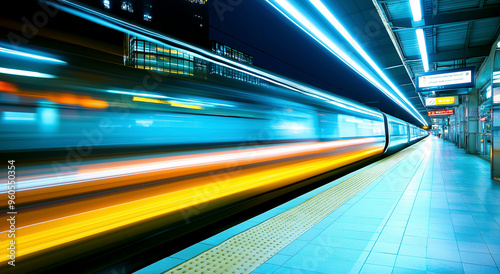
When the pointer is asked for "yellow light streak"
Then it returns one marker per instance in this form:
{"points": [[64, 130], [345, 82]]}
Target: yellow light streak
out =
{"points": [[158, 101], [44, 236]]}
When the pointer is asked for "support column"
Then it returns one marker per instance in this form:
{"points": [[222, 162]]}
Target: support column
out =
{"points": [[472, 124], [461, 126]]}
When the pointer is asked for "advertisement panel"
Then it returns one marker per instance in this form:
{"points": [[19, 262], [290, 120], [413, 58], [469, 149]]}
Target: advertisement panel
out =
{"points": [[446, 79]]}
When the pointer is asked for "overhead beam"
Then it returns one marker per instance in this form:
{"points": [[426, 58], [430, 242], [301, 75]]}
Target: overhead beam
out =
{"points": [[490, 11], [456, 54]]}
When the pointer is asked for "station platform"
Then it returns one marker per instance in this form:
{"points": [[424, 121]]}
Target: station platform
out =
{"points": [[430, 208]]}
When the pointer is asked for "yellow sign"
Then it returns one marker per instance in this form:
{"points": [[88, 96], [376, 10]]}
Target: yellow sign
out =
{"points": [[445, 100]]}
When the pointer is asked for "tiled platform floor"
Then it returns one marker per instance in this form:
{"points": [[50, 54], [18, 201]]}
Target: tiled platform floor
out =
{"points": [[437, 211]]}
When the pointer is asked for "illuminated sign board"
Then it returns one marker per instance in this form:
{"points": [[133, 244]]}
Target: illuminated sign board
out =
{"points": [[441, 101], [440, 112], [446, 79]]}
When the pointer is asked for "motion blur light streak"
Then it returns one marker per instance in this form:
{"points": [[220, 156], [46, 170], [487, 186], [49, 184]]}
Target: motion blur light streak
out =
{"points": [[138, 94], [246, 156], [18, 116], [25, 73], [171, 103], [312, 30], [30, 56], [143, 33], [42, 236], [63, 98]]}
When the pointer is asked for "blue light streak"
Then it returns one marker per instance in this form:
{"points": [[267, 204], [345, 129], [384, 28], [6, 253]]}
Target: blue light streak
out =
{"points": [[18, 116], [29, 55], [26, 73]]}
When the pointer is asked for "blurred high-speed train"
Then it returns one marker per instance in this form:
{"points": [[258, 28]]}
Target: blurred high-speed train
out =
{"points": [[178, 147]]}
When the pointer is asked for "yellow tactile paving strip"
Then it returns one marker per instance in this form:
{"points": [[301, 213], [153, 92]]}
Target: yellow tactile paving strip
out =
{"points": [[248, 250]]}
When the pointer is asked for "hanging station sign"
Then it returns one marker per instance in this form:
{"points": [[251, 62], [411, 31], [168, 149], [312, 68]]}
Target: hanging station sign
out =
{"points": [[446, 79], [442, 101], [440, 112]]}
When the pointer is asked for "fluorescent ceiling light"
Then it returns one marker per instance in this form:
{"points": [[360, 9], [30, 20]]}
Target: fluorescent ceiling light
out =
{"points": [[303, 22], [25, 73], [29, 55], [423, 48], [416, 10]]}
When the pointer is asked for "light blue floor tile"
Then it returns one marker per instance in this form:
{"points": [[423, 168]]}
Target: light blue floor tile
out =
{"points": [[310, 234], [384, 247], [384, 259], [445, 235], [288, 270], [411, 262], [293, 248], [267, 268], [475, 269], [402, 270], [413, 250], [492, 240], [308, 263], [413, 240], [477, 258], [441, 266], [496, 258], [278, 259], [441, 244], [341, 242], [494, 248], [475, 238], [334, 253], [473, 247], [369, 268]]}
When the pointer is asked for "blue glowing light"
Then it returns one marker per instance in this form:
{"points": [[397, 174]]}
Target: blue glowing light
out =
{"points": [[138, 94], [26, 73], [416, 10], [29, 55], [423, 48], [18, 116]]}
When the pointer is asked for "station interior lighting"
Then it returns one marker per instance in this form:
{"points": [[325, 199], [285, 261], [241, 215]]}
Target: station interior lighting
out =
{"points": [[416, 10], [300, 18], [423, 48]]}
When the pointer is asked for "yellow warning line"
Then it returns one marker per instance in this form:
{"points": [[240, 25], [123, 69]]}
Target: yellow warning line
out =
{"points": [[248, 250]]}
